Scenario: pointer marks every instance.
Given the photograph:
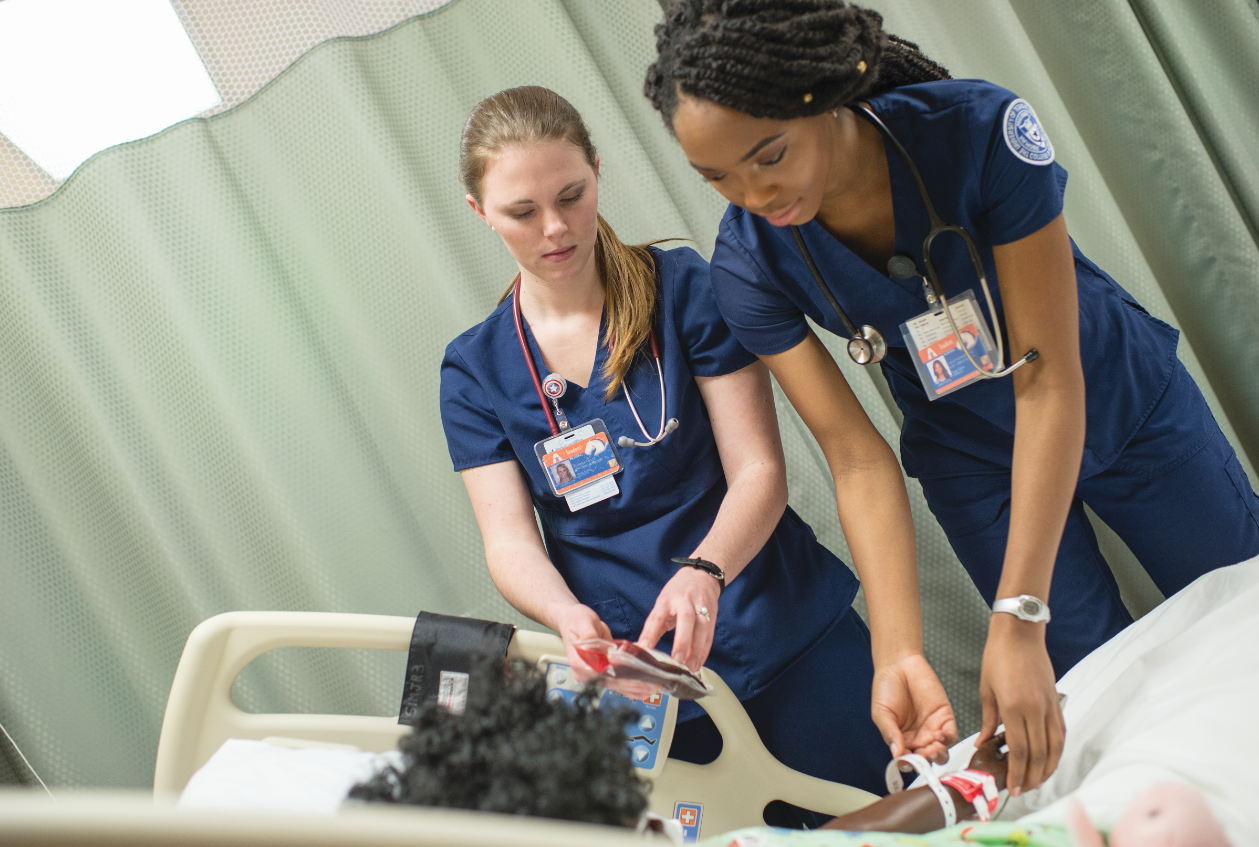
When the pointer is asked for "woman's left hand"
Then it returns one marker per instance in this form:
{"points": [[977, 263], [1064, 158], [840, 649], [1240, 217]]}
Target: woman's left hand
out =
{"points": [[681, 606], [910, 708]]}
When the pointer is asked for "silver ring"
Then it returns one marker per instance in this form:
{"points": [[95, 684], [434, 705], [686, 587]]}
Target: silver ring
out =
{"points": [[703, 610]]}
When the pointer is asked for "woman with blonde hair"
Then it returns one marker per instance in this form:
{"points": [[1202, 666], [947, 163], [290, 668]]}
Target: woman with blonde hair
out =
{"points": [[685, 527]]}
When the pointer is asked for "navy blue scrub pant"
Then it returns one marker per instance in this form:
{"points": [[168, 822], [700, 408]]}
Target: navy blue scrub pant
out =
{"points": [[813, 717], [1176, 495]]}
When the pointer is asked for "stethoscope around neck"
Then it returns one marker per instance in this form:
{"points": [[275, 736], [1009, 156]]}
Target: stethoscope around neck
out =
{"points": [[866, 345], [554, 387]]}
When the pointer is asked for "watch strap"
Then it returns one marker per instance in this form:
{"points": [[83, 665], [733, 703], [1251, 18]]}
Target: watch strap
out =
{"points": [[1015, 606], [707, 567]]}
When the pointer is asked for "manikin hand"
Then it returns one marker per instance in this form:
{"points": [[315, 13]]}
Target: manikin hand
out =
{"points": [[1016, 686], [1165, 815], [911, 710], [678, 608]]}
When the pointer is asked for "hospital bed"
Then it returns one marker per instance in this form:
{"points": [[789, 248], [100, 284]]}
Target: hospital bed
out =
{"points": [[729, 793], [1169, 699]]}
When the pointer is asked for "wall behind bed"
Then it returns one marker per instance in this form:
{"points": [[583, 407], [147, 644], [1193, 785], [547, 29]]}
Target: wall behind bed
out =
{"points": [[220, 347]]}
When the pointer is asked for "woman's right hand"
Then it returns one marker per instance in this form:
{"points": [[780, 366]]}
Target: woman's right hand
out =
{"points": [[911, 709], [576, 623]]}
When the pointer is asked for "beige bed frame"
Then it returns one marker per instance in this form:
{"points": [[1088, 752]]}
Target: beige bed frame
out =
{"points": [[200, 716]]}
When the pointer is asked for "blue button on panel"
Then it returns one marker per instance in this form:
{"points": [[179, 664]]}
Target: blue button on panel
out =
{"points": [[643, 731]]}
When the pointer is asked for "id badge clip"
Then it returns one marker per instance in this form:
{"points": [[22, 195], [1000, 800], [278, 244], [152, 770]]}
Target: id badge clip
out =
{"points": [[939, 354], [580, 464]]}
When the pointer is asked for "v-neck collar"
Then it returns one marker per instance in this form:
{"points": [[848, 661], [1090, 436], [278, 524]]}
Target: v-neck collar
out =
{"points": [[596, 371], [851, 266], [904, 220]]}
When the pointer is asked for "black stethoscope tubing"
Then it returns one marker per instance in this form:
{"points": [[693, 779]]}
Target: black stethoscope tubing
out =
{"points": [[867, 346]]}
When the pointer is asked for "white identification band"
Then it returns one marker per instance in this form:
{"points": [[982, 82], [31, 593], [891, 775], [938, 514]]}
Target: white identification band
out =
{"points": [[896, 783]]}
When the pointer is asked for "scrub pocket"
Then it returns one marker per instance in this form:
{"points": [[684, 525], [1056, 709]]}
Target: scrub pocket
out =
{"points": [[612, 613]]}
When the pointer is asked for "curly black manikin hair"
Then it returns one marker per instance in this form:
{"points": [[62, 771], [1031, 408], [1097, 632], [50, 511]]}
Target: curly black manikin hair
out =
{"points": [[512, 752], [778, 59]]}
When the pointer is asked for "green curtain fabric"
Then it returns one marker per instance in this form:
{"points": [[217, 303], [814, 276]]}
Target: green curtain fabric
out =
{"points": [[1166, 99], [219, 348]]}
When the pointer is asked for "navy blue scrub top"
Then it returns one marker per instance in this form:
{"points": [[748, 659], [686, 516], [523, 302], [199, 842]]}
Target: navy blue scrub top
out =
{"points": [[954, 130], [614, 555]]}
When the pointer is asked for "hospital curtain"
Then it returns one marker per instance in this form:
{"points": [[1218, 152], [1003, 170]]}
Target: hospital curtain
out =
{"points": [[219, 345]]}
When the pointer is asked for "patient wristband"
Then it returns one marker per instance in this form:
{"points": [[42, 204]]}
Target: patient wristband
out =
{"points": [[896, 783], [979, 789]]}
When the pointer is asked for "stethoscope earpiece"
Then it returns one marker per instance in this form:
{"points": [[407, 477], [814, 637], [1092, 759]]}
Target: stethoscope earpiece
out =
{"points": [[626, 441]]}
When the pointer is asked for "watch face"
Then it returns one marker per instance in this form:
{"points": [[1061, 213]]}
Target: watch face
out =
{"points": [[1029, 606]]}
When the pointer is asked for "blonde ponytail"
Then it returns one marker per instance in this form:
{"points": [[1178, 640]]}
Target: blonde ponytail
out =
{"points": [[533, 115]]}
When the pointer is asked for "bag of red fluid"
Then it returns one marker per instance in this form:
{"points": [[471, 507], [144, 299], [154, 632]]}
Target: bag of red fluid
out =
{"points": [[638, 672]]}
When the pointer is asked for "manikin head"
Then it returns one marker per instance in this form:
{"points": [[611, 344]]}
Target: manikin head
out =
{"points": [[1165, 815]]}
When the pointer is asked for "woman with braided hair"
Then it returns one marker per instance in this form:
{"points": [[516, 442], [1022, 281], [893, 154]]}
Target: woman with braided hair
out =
{"points": [[841, 149]]}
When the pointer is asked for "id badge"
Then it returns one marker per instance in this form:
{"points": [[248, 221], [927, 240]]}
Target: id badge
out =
{"points": [[942, 365], [580, 464]]}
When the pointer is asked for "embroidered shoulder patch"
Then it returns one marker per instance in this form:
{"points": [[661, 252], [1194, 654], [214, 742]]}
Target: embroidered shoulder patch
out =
{"points": [[1025, 136]]}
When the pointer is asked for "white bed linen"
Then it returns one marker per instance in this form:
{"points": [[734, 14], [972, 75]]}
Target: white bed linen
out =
{"points": [[1173, 698], [259, 776]]}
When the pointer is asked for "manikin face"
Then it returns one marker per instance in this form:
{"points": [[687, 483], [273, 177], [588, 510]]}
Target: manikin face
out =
{"points": [[542, 199], [1165, 815], [776, 169]]}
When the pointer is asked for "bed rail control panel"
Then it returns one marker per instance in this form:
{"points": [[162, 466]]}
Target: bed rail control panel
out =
{"points": [[649, 734]]}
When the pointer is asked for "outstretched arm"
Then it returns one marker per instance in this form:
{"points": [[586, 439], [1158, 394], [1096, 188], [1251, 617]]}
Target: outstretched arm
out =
{"points": [[918, 810], [741, 408], [1038, 290], [518, 562], [909, 704]]}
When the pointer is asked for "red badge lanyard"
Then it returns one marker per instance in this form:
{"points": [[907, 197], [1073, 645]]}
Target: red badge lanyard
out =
{"points": [[524, 348], [537, 380]]}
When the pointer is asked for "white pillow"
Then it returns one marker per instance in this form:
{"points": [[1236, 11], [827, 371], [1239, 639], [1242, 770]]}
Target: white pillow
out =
{"points": [[258, 776]]}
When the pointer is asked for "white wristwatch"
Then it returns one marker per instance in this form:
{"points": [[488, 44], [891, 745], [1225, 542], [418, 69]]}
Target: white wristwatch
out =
{"points": [[1025, 607]]}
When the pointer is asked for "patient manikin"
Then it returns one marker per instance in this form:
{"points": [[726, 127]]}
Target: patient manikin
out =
{"points": [[460, 761], [1166, 815]]}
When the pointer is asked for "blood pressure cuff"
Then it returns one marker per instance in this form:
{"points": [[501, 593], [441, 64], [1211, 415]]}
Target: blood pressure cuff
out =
{"points": [[444, 652]]}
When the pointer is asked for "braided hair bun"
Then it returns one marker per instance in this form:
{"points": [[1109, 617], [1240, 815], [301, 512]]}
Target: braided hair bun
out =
{"points": [[778, 59]]}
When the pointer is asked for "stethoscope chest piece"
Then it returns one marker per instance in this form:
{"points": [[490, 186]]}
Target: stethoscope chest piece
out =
{"points": [[868, 347]]}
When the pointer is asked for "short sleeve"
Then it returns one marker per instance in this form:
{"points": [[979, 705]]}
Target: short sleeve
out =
{"points": [[1022, 187], [709, 346], [759, 314], [474, 434]]}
